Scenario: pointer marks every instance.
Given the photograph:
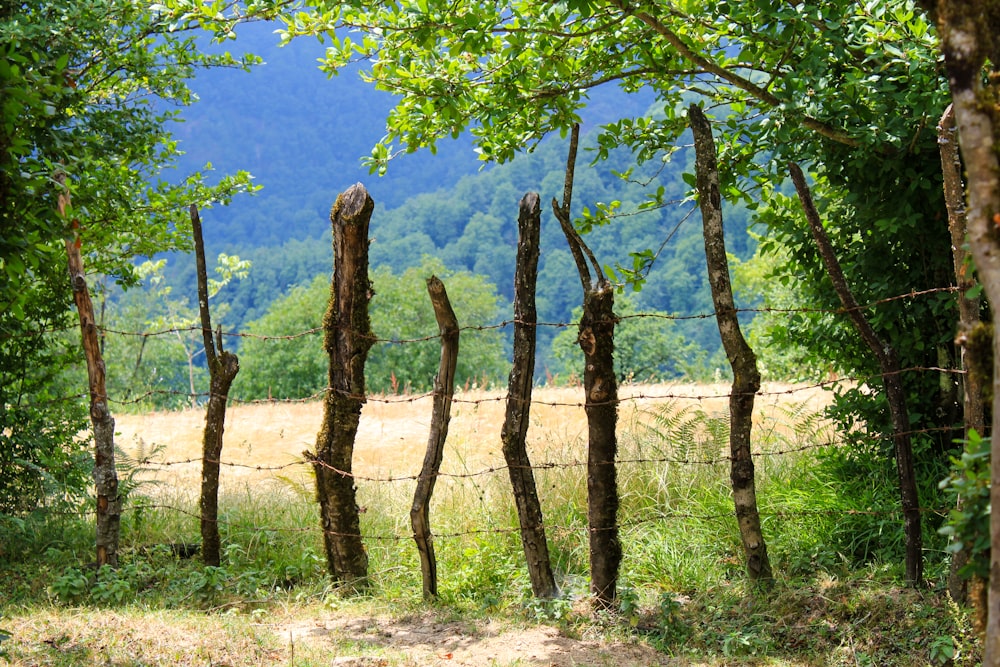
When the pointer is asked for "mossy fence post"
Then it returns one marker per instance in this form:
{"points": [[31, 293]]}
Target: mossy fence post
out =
{"points": [[597, 340], [348, 338], [746, 377]]}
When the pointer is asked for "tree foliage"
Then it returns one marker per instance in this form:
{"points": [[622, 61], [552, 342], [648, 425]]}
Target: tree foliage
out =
{"points": [[294, 367], [154, 348], [851, 89], [648, 348], [86, 92], [283, 355]]}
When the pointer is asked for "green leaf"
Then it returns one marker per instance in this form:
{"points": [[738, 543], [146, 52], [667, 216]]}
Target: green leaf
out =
{"points": [[974, 292]]}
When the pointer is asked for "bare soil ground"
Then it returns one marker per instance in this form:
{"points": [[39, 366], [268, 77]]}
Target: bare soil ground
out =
{"points": [[427, 640], [337, 639]]}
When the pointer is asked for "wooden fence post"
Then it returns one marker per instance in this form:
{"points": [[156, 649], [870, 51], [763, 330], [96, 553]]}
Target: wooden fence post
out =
{"points": [[348, 338], [515, 426], [746, 377], [105, 474], [444, 390], [892, 380], [222, 368], [597, 340]]}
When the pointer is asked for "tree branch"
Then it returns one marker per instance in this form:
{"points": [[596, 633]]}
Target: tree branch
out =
{"points": [[206, 317], [576, 244], [731, 77]]}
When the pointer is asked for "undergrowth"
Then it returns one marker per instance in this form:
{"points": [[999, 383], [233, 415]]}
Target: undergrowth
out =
{"points": [[837, 599]]}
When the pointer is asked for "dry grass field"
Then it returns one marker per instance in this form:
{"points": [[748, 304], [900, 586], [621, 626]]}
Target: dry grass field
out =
{"points": [[263, 441], [256, 618], [394, 429]]}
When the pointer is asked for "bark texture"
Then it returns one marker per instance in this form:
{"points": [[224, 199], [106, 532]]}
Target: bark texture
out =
{"points": [[973, 407], [105, 475], [968, 307], [596, 339], [348, 338], [222, 368], [967, 30], [515, 427], [746, 377], [444, 391], [888, 362]]}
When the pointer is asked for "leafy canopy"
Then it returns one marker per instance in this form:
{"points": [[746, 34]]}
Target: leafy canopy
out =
{"points": [[87, 88], [849, 89], [514, 71]]}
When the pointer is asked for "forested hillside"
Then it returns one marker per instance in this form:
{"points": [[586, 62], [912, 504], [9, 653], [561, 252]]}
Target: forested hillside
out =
{"points": [[303, 136]]}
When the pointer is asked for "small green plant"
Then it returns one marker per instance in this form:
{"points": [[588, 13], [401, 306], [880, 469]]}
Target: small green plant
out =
{"points": [[70, 586], [628, 604], [968, 489], [112, 586], [548, 610], [207, 583], [670, 623], [744, 642], [942, 650], [487, 570]]}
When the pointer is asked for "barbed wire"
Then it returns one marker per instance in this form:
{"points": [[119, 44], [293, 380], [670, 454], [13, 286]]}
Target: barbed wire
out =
{"points": [[196, 328], [634, 394], [404, 398], [151, 464]]}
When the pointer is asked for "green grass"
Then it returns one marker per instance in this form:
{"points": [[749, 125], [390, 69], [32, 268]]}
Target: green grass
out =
{"points": [[683, 591]]}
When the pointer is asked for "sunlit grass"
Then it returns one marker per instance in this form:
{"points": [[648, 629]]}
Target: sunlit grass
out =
{"points": [[683, 588]]}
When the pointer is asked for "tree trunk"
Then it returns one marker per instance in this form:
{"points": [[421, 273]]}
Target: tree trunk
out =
{"points": [[105, 474], [222, 368], [888, 363], [347, 340], [968, 310], [596, 339], [515, 426], [968, 307], [967, 31], [444, 390], [746, 377]]}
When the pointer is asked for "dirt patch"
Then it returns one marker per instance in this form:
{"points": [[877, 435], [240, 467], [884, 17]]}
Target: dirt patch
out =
{"points": [[337, 638], [423, 640]]}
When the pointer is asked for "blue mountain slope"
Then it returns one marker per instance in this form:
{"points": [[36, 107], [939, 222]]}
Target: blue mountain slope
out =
{"points": [[302, 135]]}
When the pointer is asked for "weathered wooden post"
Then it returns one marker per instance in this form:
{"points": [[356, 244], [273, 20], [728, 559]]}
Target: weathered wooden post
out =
{"points": [[222, 368], [597, 340], [444, 390], [515, 426], [892, 380], [348, 338], [109, 506], [746, 377]]}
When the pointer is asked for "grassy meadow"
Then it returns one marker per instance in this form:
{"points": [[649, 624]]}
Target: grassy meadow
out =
{"points": [[683, 597]]}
